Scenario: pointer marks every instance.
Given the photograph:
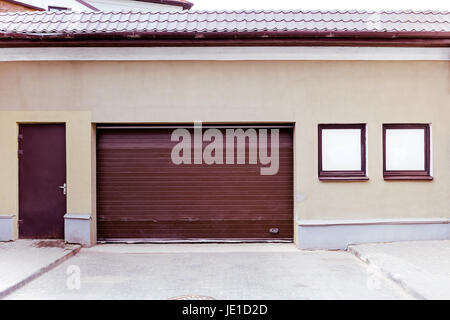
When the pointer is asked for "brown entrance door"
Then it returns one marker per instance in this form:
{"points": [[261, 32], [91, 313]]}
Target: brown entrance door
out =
{"points": [[142, 194], [42, 178]]}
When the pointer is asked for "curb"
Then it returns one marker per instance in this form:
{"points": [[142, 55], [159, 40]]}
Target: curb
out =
{"points": [[413, 293], [39, 272]]}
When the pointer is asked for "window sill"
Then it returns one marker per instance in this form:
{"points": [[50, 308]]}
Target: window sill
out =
{"points": [[358, 178], [419, 178]]}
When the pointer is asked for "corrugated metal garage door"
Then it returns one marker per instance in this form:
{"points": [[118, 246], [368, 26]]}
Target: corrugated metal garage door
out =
{"points": [[141, 194]]}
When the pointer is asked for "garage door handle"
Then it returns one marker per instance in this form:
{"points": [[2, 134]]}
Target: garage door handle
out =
{"points": [[64, 188]]}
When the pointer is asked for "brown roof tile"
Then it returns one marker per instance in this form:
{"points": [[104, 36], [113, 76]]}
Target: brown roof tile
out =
{"points": [[246, 27], [224, 21]]}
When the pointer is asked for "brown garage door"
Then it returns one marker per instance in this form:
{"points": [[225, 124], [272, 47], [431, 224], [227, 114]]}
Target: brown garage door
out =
{"points": [[142, 194]]}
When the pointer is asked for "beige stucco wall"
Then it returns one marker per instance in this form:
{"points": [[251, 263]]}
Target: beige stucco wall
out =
{"points": [[78, 158], [303, 92]]}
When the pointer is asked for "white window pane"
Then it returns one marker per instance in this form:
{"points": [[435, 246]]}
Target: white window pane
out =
{"points": [[405, 149], [341, 149]]}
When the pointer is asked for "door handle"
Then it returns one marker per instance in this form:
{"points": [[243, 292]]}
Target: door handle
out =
{"points": [[64, 188]]}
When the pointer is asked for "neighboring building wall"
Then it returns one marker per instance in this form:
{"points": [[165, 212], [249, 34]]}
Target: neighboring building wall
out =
{"points": [[6, 6], [71, 4], [304, 92], [117, 5], [103, 5]]}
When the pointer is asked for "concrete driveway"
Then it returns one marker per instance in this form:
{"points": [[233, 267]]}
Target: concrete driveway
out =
{"points": [[22, 261], [421, 268], [218, 271]]}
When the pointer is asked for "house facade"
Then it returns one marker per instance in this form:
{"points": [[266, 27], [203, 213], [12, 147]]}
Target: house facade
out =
{"points": [[324, 128]]}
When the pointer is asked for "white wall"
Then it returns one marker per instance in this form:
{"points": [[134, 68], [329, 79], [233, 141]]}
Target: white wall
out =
{"points": [[74, 5], [117, 5]]}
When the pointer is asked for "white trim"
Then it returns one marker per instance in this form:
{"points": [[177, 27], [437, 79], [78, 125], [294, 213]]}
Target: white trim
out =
{"points": [[366, 125], [221, 53], [6, 216], [431, 149], [78, 216]]}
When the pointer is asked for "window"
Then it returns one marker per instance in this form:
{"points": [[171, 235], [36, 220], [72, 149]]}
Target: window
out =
{"points": [[55, 8], [406, 152], [342, 152]]}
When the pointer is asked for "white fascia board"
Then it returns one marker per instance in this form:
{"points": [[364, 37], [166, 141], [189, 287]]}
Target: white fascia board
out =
{"points": [[221, 53]]}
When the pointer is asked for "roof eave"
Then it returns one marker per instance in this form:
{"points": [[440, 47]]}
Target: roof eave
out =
{"points": [[355, 38]]}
